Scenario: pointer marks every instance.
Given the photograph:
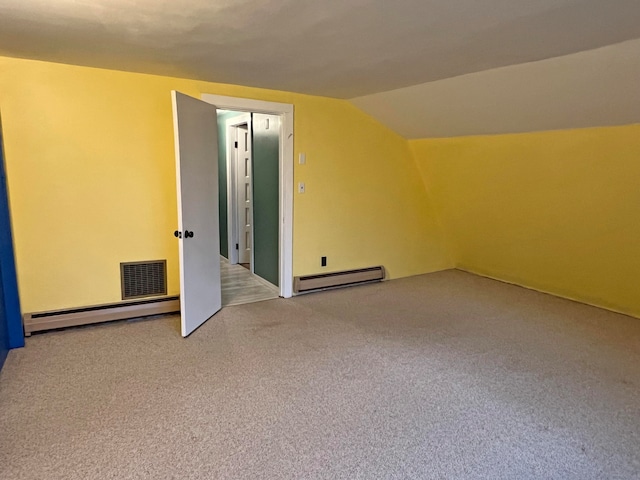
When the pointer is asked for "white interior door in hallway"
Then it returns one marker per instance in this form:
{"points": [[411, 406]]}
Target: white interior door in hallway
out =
{"points": [[240, 188], [196, 145], [244, 200]]}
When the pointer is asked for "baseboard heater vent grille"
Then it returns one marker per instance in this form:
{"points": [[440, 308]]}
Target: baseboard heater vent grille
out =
{"points": [[41, 321], [309, 283], [143, 279]]}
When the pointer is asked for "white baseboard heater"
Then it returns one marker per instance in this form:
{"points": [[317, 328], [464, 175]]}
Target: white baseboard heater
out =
{"points": [[41, 321], [310, 283]]}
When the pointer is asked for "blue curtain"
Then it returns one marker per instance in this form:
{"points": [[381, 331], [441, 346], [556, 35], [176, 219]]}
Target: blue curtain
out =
{"points": [[11, 331]]}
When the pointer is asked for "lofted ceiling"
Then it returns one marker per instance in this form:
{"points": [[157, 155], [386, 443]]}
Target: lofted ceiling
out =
{"points": [[336, 48]]}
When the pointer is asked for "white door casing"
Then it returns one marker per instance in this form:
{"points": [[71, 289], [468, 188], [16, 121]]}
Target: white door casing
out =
{"points": [[285, 111], [196, 149]]}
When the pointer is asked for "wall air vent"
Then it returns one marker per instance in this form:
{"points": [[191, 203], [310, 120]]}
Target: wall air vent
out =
{"points": [[143, 279]]}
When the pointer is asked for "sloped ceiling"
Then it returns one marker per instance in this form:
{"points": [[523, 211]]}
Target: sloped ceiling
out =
{"points": [[337, 48], [595, 88]]}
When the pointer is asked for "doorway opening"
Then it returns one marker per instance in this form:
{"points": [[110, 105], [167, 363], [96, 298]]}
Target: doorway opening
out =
{"points": [[256, 187], [248, 274]]}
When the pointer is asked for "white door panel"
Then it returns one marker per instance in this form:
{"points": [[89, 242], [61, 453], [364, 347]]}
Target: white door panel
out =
{"points": [[196, 143], [243, 191]]}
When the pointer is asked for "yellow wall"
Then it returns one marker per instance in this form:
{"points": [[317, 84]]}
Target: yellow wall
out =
{"points": [[365, 202], [91, 175], [92, 183], [555, 211]]}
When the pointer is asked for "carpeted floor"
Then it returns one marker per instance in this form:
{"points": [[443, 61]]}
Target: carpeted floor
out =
{"points": [[441, 376]]}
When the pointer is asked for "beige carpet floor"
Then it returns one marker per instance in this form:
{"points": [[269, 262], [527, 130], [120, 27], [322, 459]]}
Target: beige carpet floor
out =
{"points": [[441, 376]]}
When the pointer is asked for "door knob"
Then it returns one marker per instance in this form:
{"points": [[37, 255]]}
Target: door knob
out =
{"points": [[188, 234], [177, 234]]}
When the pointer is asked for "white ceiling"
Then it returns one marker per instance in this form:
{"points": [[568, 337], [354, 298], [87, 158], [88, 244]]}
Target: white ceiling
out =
{"points": [[337, 48]]}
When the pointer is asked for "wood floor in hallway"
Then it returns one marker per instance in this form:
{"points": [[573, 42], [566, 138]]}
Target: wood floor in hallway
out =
{"points": [[240, 286]]}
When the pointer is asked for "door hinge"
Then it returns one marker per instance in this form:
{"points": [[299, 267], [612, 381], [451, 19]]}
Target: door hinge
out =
{"points": [[236, 144], [237, 247]]}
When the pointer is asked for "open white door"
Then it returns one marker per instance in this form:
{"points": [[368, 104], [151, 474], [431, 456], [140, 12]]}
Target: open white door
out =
{"points": [[195, 126]]}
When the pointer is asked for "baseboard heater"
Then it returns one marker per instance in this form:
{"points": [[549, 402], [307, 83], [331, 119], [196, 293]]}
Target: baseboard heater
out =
{"points": [[41, 321], [310, 283]]}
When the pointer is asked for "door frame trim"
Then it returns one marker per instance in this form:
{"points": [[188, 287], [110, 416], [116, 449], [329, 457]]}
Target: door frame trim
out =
{"points": [[285, 111]]}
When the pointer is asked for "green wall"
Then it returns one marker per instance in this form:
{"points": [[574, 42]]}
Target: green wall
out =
{"points": [[266, 145]]}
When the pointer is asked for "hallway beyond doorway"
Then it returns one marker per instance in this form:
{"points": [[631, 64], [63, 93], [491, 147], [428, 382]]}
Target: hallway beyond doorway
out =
{"points": [[240, 286]]}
